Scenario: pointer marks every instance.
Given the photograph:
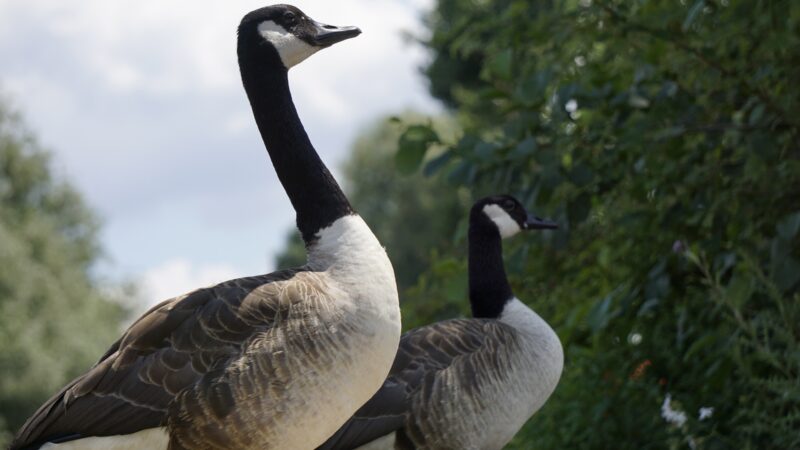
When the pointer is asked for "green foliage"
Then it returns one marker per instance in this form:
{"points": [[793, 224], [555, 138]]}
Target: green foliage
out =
{"points": [[664, 137], [412, 146], [47, 296]]}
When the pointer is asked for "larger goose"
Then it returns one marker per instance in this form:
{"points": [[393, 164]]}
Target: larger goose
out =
{"points": [[466, 383], [277, 361]]}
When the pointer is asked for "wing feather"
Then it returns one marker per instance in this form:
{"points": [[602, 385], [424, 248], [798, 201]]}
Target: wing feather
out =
{"points": [[179, 343]]}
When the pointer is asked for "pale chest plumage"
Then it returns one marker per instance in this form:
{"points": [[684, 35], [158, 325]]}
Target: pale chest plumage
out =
{"points": [[515, 379], [531, 376]]}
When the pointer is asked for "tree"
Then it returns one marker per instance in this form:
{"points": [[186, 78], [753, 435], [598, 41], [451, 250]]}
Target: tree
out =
{"points": [[48, 244], [664, 138]]}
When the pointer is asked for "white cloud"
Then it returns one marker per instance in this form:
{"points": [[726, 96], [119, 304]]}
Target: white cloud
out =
{"points": [[178, 46], [179, 276]]}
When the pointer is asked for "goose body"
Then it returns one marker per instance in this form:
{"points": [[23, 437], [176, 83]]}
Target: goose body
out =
{"points": [[466, 383], [276, 361]]}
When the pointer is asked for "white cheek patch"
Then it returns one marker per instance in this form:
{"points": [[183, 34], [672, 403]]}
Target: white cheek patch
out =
{"points": [[507, 226], [292, 49]]}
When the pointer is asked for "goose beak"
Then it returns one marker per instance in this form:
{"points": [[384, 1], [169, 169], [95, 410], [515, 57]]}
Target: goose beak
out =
{"points": [[536, 223], [327, 35]]}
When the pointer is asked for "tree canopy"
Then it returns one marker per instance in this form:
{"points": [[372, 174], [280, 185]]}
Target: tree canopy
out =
{"points": [[664, 137], [48, 244]]}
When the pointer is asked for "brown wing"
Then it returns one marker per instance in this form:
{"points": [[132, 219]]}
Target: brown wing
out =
{"points": [[171, 347], [426, 358]]}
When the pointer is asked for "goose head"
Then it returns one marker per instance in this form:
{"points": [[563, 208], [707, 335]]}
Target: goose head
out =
{"points": [[509, 216], [293, 35]]}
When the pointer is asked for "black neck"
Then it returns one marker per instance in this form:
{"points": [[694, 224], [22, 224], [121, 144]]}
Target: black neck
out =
{"points": [[488, 285], [315, 196]]}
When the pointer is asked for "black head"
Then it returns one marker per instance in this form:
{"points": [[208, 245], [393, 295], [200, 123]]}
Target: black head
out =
{"points": [[293, 34], [508, 215]]}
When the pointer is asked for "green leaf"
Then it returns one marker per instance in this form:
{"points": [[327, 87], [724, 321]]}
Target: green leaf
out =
{"points": [[409, 157], [532, 89], [739, 290], [581, 175], [601, 313], [484, 150], [786, 274], [789, 226], [756, 114], [412, 146], [694, 11], [435, 164], [700, 344], [669, 132], [500, 64], [578, 209], [524, 148], [648, 306], [462, 173]]}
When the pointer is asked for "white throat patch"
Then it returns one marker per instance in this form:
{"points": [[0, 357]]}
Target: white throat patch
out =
{"points": [[291, 48], [507, 226]]}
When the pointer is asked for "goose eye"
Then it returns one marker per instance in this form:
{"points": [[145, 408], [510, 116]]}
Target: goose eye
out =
{"points": [[290, 18], [509, 205]]}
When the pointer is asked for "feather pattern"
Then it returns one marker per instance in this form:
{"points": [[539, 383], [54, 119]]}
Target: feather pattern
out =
{"points": [[216, 366], [457, 384]]}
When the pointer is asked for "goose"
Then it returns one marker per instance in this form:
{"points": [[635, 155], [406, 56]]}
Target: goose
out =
{"points": [[276, 361], [467, 383]]}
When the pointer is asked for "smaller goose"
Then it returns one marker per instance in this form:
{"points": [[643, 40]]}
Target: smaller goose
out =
{"points": [[467, 383]]}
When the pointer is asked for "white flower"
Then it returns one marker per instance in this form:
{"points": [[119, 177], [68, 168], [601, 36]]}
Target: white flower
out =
{"points": [[674, 416], [706, 412]]}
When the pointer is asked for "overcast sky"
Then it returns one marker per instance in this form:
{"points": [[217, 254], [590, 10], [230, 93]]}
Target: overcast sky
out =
{"points": [[141, 103]]}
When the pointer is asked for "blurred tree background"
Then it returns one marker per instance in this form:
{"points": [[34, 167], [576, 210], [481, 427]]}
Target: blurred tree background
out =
{"points": [[47, 294], [664, 137]]}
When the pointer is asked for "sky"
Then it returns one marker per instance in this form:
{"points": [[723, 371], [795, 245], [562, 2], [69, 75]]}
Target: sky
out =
{"points": [[141, 104]]}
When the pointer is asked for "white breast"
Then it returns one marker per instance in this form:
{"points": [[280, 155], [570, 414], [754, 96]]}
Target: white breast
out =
{"points": [[533, 376], [352, 256], [542, 346], [516, 383]]}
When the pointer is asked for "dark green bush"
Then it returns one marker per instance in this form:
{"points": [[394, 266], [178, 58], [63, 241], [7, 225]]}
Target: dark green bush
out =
{"points": [[48, 245], [665, 138]]}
